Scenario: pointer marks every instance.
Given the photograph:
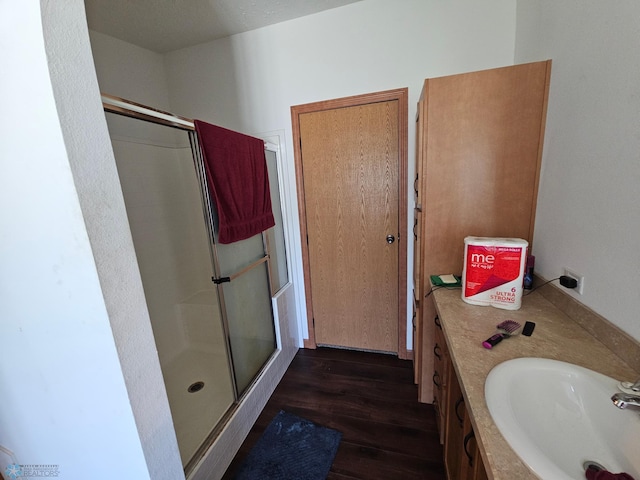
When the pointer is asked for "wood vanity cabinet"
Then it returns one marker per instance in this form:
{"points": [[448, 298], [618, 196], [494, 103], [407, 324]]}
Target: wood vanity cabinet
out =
{"points": [[471, 466], [463, 441], [440, 379], [456, 429], [478, 150], [462, 458]]}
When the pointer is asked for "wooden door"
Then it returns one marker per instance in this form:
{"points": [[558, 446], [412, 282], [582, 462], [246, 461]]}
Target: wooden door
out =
{"points": [[350, 166]]}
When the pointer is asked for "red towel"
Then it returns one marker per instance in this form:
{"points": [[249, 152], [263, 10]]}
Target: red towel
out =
{"points": [[595, 474], [238, 180]]}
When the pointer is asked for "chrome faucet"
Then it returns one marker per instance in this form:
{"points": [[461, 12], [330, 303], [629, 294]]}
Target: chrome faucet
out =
{"points": [[624, 400]]}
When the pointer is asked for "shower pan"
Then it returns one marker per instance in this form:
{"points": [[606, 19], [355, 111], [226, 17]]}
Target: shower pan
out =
{"points": [[213, 338]]}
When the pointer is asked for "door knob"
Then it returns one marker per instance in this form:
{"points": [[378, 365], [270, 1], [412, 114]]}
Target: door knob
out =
{"points": [[390, 239]]}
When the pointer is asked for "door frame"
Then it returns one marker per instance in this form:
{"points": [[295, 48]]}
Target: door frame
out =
{"points": [[401, 95]]}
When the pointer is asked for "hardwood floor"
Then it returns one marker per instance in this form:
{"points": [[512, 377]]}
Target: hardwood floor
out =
{"points": [[371, 399]]}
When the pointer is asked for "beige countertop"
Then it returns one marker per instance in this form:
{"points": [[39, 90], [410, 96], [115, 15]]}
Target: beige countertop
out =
{"points": [[556, 336]]}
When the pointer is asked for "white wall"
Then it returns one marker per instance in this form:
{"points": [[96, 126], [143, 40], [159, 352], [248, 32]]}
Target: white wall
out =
{"points": [[143, 69], [64, 399], [96, 180], [588, 216], [248, 82]]}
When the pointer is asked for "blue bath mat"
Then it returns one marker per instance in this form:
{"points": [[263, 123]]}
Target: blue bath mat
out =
{"points": [[291, 448]]}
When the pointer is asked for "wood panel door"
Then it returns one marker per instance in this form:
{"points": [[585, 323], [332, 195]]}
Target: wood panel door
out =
{"points": [[351, 177]]}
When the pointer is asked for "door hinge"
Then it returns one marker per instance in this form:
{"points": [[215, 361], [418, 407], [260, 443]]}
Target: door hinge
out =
{"points": [[220, 280]]}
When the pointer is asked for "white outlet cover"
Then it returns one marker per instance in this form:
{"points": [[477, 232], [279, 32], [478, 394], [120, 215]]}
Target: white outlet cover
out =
{"points": [[580, 278]]}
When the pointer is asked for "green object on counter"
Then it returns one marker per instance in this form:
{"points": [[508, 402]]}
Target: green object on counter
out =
{"points": [[436, 280]]}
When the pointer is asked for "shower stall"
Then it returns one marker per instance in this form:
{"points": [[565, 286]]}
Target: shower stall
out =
{"points": [[209, 303]]}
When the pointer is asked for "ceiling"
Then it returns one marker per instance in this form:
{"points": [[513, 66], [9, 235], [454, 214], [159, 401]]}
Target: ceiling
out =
{"points": [[166, 25]]}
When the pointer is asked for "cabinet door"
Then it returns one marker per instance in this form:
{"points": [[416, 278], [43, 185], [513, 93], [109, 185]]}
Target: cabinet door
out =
{"points": [[482, 150], [461, 454], [453, 452], [470, 452], [417, 326], [440, 379], [427, 330], [418, 280], [471, 467]]}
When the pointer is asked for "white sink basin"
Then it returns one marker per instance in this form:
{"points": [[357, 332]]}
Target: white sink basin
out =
{"points": [[556, 416]]}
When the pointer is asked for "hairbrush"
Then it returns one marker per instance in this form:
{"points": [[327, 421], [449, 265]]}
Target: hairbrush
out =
{"points": [[505, 330]]}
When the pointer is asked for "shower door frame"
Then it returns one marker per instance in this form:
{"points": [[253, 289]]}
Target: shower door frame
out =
{"points": [[127, 108]]}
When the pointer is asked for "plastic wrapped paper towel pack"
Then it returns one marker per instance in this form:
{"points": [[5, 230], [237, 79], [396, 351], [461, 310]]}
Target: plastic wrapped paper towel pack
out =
{"points": [[493, 271]]}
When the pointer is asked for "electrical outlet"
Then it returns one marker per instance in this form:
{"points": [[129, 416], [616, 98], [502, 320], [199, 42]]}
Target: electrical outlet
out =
{"points": [[579, 278]]}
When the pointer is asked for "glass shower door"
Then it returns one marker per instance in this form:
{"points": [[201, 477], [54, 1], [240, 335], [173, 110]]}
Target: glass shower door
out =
{"points": [[247, 303], [164, 206], [213, 338]]}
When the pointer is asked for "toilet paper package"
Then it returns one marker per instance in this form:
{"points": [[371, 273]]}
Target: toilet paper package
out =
{"points": [[493, 271]]}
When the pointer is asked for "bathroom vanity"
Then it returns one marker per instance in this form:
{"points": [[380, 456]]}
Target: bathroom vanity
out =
{"points": [[474, 448], [479, 139]]}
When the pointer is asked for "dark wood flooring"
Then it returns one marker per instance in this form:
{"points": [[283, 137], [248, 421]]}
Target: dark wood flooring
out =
{"points": [[386, 433]]}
